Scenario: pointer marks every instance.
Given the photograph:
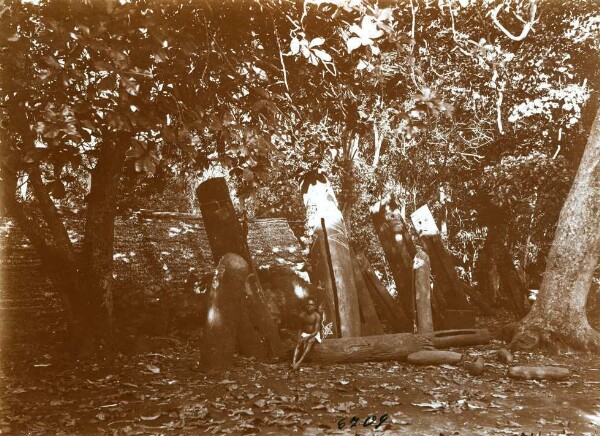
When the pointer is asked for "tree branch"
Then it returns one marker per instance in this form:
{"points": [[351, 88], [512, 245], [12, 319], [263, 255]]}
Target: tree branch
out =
{"points": [[526, 28], [50, 214]]}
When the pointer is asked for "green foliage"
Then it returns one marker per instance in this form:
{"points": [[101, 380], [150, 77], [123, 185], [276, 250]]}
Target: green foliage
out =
{"points": [[406, 98]]}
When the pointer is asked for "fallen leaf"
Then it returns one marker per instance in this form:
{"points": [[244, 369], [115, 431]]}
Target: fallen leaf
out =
{"points": [[474, 405], [390, 403], [153, 368], [433, 405], [150, 418], [260, 403], [242, 412]]}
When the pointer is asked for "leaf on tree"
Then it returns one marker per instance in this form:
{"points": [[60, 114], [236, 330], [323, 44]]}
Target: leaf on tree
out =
{"points": [[294, 46], [316, 42]]}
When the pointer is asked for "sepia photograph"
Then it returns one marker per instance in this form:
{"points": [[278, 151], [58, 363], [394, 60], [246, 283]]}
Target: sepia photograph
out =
{"points": [[300, 217]]}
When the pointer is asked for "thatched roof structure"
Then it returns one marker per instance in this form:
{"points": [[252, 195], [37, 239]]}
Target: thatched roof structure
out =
{"points": [[154, 254]]}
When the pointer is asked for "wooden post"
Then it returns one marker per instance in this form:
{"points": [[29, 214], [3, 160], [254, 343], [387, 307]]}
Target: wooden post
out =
{"points": [[398, 248], [370, 324], [323, 212], [226, 235], [423, 292], [224, 231], [384, 300], [321, 277]]}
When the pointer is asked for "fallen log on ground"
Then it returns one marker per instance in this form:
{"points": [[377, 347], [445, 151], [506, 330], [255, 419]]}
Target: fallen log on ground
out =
{"points": [[395, 346], [539, 372], [459, 338], [368, 348], [434, 357]]}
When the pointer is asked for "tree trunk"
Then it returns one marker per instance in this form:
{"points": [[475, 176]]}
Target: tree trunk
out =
{"points": [[95, 306], [323, 212], [55, 250], [558, 317], [226, 235], [398, 248]]}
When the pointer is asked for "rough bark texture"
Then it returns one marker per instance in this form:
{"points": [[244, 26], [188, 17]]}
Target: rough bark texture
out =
{"points": [[392, 347], [558, 317], [224, 231], [83, 282], [98, 245], [368, 348], [423, 292], [398, 248], [325, 219]]}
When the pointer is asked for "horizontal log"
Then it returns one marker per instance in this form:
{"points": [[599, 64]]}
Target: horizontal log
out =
{"points": [[459, 338], [434, 357], [391, 347], [539, 372], [145, 213], [368, 348]]}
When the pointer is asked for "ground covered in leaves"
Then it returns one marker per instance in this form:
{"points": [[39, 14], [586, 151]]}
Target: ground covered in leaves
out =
{"points": [[158, 388]]}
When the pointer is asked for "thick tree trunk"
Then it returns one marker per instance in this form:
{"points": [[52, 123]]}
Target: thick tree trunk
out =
{"points": [[96, 304], [398, 248], [323, 214], [53, 247], [558, 317], [226, 235]]}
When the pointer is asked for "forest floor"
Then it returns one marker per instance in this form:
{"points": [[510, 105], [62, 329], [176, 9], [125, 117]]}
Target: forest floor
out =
{"points": [[157, 388]]}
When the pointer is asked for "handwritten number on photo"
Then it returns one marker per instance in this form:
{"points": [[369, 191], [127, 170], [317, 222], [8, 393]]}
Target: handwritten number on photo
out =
{"points": [[367, 422]]}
